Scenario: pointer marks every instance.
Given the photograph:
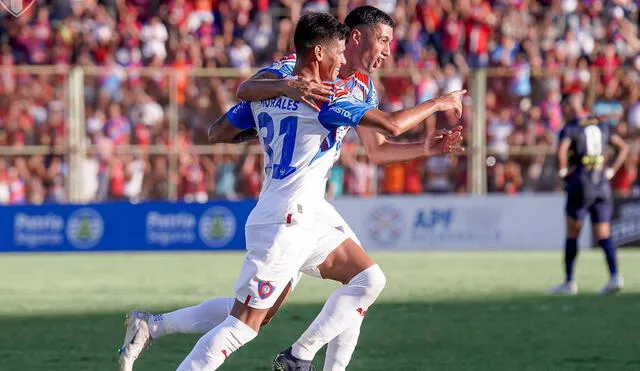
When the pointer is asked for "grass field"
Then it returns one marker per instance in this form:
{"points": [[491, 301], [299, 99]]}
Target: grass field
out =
{"points": [[440, 311]]}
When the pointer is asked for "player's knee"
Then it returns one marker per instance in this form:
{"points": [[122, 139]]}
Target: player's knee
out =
{"points": [[573, 228], [373, 279], [602, 231]]}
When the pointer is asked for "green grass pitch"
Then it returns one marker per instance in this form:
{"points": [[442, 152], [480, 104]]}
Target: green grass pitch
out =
{"points": [[459, 311]]}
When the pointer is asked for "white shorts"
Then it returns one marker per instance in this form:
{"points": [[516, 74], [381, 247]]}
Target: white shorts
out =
{"points": [[275, 255], [333, 231], [279, 253]]}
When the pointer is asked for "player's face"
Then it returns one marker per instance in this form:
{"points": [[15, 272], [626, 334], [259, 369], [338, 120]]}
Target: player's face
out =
{"points": [[374, 46], [333, 59]]}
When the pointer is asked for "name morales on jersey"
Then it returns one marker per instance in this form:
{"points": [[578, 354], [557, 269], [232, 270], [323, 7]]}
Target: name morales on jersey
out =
{"points": [[282, 103]]}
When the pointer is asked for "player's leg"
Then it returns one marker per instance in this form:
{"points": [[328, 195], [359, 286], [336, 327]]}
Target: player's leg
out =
{"points": [[213, 348], [575, 211], [340, 349], [144, 327], [268, 268], [202, 317], [362, 280], [601, 212]]}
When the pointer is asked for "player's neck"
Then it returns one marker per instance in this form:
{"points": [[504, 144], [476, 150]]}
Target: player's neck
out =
{"points": [[347, 70], [308, 71], [581, 114]]}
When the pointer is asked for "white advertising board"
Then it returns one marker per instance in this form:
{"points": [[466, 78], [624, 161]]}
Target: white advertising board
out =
{"points": [[459, 222]]}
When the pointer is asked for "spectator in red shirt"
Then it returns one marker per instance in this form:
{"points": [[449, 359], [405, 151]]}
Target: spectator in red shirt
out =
{"points": [[478, 22]]}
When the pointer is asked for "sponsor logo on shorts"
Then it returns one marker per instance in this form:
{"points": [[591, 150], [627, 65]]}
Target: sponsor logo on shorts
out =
{"points": [[84, 228], [265, 289], [217, 226], [386, 225]]}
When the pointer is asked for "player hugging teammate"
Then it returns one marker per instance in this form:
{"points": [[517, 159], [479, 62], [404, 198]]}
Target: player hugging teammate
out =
{"points": [[293, 229]]}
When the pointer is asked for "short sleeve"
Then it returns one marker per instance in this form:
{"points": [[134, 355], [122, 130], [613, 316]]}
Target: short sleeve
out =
{"points": [[563, 134], [343, 111], [281, 68], [241, 116], [567, 131]]}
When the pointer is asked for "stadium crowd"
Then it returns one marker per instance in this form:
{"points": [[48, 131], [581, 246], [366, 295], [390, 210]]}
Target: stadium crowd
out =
{"points": [[538, 53]]}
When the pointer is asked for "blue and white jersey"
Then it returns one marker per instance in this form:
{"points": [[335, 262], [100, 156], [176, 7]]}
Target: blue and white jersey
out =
{"points": [[359, 84], [299, 146]]}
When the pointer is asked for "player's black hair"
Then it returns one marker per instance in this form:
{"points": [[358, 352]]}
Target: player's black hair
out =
{"points": [[317, 28], [368, 16]]}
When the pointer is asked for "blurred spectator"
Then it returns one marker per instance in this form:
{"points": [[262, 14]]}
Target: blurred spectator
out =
{"points": [[156, 181], [5, 192], [539, 52], [225, 177], [335, 183], [192, 179], [440, 174], [360, 176]]}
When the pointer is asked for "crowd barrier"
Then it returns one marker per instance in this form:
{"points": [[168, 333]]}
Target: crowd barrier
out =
{"points": [[124, 227], [532, 221], [382, 223], [625, 227]]}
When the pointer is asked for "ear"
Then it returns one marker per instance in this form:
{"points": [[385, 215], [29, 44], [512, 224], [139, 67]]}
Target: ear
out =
{"points": [[318, 52], [355, 36]]}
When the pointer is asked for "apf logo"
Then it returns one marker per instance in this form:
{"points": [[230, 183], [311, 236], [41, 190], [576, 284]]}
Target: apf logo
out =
{"points": [[433, 218], [386, 225], [17, 7], [217, 226], [84, 228]]}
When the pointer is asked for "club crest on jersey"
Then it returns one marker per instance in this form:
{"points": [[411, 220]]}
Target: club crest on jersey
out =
{"points": [[265, 289]]}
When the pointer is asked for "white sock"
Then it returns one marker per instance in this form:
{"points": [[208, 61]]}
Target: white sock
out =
{"points": [[217, 345], [341, 348], [342, 310], [196, 319]]}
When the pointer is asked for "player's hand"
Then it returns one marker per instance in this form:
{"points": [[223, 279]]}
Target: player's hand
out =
{"points": [[441, 142], [562, 173], [308, 92], [609, 173], [452, 101]]}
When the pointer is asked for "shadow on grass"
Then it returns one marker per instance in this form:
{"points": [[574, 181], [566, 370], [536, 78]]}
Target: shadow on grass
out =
{"points": [[523, 333]]}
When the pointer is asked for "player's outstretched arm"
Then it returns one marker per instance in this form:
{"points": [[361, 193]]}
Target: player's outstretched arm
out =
{"points": [[265, 85], [396, 123], [623, 151], [382, 151]]}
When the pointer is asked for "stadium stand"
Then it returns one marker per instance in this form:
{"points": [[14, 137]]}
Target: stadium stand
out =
{"points": [[537, 52]]}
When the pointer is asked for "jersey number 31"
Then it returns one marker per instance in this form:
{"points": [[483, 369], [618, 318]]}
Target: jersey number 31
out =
{"points": [[288, 128]]}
